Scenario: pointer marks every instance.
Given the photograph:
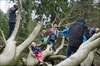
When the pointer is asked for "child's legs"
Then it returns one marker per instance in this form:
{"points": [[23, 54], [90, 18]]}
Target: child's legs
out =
{"points": [[54, 45], [39, 56]]}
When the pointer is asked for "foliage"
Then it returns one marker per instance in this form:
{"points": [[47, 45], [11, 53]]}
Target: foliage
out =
{"points": [[3, 23], [50, 8], [85, 8]]}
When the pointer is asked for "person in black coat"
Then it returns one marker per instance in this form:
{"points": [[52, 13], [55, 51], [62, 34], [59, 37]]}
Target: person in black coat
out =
{"points": [[76, 32], [12, 19]]}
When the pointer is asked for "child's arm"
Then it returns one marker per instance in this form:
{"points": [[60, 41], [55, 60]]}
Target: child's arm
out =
{"points": [[31, 52]]}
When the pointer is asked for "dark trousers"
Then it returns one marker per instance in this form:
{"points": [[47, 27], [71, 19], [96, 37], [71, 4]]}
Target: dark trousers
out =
{"points": [[11, 28], [54, 45], [70, 50]]}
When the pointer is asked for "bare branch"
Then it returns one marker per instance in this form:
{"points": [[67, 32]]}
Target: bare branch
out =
{"points": [[61, 46], [96, 8], [55, 19]]}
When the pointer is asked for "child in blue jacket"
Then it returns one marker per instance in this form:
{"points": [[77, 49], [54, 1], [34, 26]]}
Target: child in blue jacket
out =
{"points": [[52, 38]]}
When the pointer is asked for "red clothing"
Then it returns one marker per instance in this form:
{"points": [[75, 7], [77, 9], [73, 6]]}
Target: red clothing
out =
{"points": [[39, 56]]}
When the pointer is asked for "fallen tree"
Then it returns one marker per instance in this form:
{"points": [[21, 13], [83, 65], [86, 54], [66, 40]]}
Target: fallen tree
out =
{"points": [[84, 54], [11, 53]]}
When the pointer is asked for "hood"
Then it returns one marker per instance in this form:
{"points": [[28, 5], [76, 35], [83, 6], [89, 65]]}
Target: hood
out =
{"points": [[52, 33], [81, 20]]}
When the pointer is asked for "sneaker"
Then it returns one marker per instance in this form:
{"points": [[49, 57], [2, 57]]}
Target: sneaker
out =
{"points": [[41, 63]]}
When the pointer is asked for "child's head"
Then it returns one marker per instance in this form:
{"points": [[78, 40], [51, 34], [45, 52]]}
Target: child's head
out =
{"points": [[33, 44], [51, 29], [55, 25], [44, 31], [97, 30]]}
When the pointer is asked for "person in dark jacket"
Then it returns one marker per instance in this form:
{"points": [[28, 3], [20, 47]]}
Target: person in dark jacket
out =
{"points": [[52, 38], [91, 31], [12, 19], [76, 32]]}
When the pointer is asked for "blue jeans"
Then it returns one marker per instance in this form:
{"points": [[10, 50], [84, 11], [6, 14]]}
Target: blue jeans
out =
{"points": [[11, 28], [70, 50]]}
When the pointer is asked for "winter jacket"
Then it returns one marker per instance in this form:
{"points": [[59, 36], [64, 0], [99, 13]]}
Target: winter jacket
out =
{"points": [[12, 16], [76, 32], [65, 32], [91, 31], [42, 36], [36, 49], [52, 37]]}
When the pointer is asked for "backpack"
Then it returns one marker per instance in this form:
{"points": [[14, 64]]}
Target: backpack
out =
{"points": [[53, 37]]}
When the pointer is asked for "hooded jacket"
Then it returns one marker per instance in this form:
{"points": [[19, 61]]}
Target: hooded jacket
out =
{"points": [[52, 37], [36, 49], [12, 16], [76, 32]]}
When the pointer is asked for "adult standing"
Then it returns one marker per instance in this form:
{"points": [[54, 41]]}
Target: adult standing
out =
{"points": [[76, 32], [12, 19]]}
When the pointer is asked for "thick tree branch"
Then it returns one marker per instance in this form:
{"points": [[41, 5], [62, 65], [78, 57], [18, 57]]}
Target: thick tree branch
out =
{"points": [[88, 61], [56, 57], [61, 46], [10, 49], [82, 52]]}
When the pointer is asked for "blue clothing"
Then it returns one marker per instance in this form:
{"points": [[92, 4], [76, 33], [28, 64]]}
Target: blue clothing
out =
{"points": [[77, 33], [70, 50], [12, 20], [65, 32], [11, 28], [91, 31], [84, 38], [36, 49], [51, 39], [12, 16]]}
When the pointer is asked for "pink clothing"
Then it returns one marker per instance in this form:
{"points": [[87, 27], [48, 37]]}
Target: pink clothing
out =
{"points": [[51, 29], [39, 56]]}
